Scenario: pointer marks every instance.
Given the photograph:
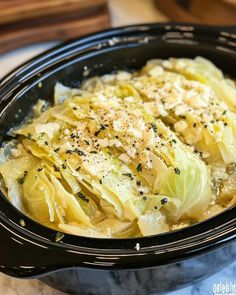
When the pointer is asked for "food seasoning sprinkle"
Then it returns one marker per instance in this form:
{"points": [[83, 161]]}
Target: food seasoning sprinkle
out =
{"points": [[177, 171], [139, 167], [154, 127], [164, 201], [29, 135], [82, 197], [59, 237], [138, 182]]}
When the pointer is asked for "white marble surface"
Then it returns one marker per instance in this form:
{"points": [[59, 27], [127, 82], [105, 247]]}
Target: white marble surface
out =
{"points": [[123, 12]]}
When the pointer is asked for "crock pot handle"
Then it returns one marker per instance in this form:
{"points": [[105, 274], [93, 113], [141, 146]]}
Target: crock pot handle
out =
{"points": [[23, 257]]}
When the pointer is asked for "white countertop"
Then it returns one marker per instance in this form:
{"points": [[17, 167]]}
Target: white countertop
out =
{"points": [[123, 12]]}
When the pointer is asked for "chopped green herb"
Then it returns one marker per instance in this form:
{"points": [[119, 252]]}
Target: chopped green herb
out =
{"points": [[69, 152], [42, 134], [138, 182], [74, 136], [128, 175], [97, 132], [46, 142], [59, 237], [29, 135], [56, 169], [103, 127], [56, 150], [79, 152], [40, 169], [21, 180], [86, 142], [154, 127], [82, 197], [164, 201], [144, 198], [63, 166], [139, 167], [177, 171]]}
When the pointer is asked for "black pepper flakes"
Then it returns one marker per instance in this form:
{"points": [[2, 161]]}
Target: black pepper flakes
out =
{"points": [[21, 180], [82, 197], [97, 132], [128, 175], [138, 182], [29, 135], [154, 127], [59, 237], [164, 201], [69, 152], [139, 167], [79, 152], [56, 169], [103, 127], [63, 166], [177, 171]]}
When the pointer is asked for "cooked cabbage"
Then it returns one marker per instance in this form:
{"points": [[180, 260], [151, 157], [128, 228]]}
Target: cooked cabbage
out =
{"points": [[126, 154]]}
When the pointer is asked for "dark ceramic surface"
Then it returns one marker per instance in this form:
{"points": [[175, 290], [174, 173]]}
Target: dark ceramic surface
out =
{"points": [[157, 280], [114, 266]]}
